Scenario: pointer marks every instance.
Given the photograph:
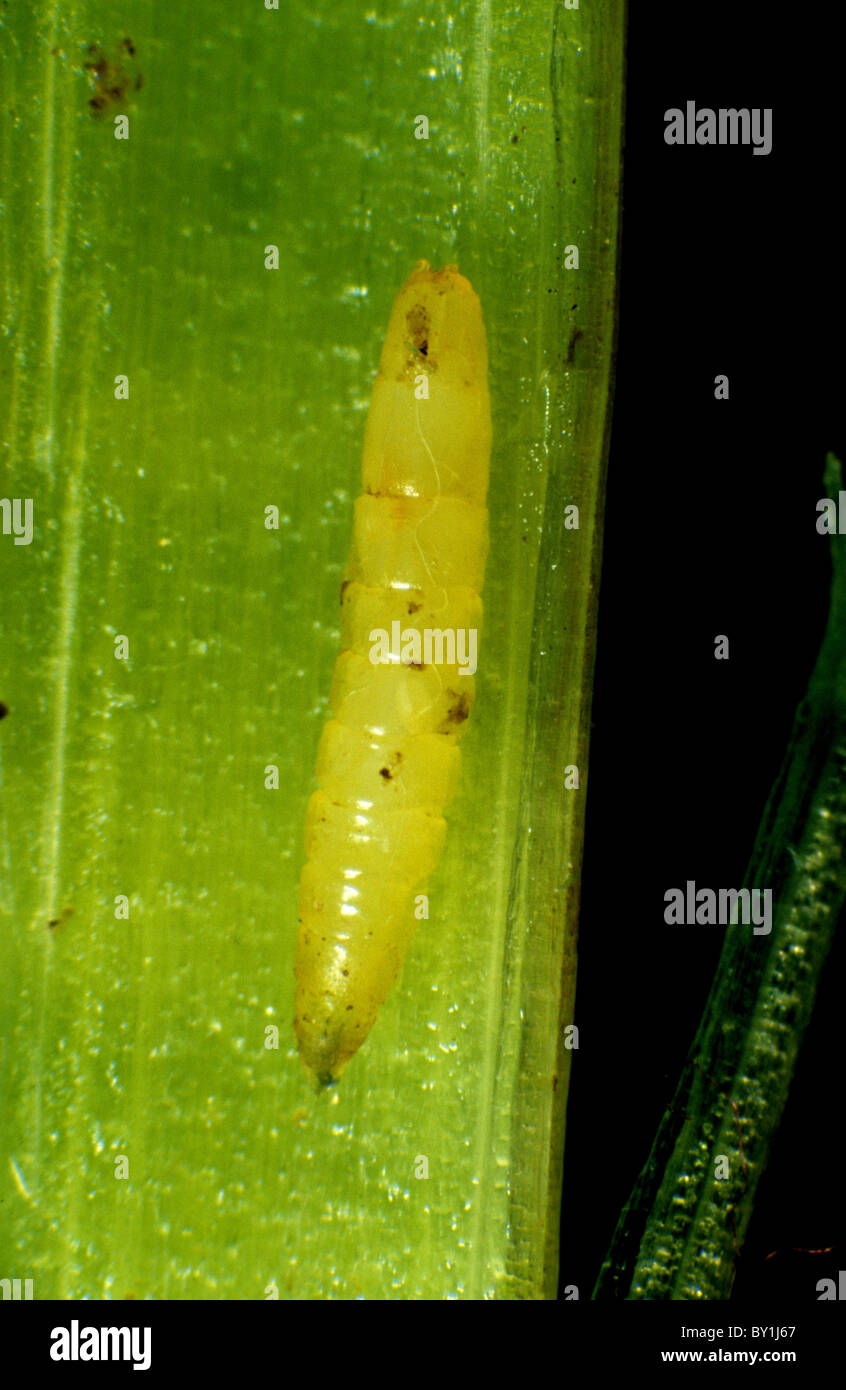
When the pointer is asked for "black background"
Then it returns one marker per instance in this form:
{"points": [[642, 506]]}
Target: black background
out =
{"points": [[731, 263]]}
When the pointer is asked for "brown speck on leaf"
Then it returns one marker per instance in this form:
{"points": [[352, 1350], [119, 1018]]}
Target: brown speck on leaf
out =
{"points": [[60, 920], [111, 78], [4, 710], [414, 607]]}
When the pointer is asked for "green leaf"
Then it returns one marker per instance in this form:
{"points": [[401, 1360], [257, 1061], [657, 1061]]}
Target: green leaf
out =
{"points": [[155, 1143], [683, 1227]]}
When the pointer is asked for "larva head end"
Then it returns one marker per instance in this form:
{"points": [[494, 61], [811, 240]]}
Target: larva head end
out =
{"points": [[436, 326]]}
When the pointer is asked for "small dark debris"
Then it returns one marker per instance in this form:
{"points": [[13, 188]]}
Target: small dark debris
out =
{"points": [[571, 350], [60, 920], [111, 78], [417, 320]]}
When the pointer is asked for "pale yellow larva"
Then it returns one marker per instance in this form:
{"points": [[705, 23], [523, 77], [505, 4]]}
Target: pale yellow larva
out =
{"points": [[388, 760]]}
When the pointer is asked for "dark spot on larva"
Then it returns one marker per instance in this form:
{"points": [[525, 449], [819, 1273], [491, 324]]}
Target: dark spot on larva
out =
{"points": [[414, 607], [458, 711], [345, 973], [350, 1008], [515, 139], [4, 710], [128, 46], [394, 761], [571, 349], [418, 324]]}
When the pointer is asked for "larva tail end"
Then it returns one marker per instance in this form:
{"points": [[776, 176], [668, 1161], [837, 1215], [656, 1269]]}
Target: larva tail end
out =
{"points": [[319, 1081], [323, 1057]]}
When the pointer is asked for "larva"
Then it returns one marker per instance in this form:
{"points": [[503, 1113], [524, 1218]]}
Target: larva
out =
{"points": [[388, 759]]}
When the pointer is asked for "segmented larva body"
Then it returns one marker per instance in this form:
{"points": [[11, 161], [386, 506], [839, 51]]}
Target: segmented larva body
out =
{"points": [[388, 760]]}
